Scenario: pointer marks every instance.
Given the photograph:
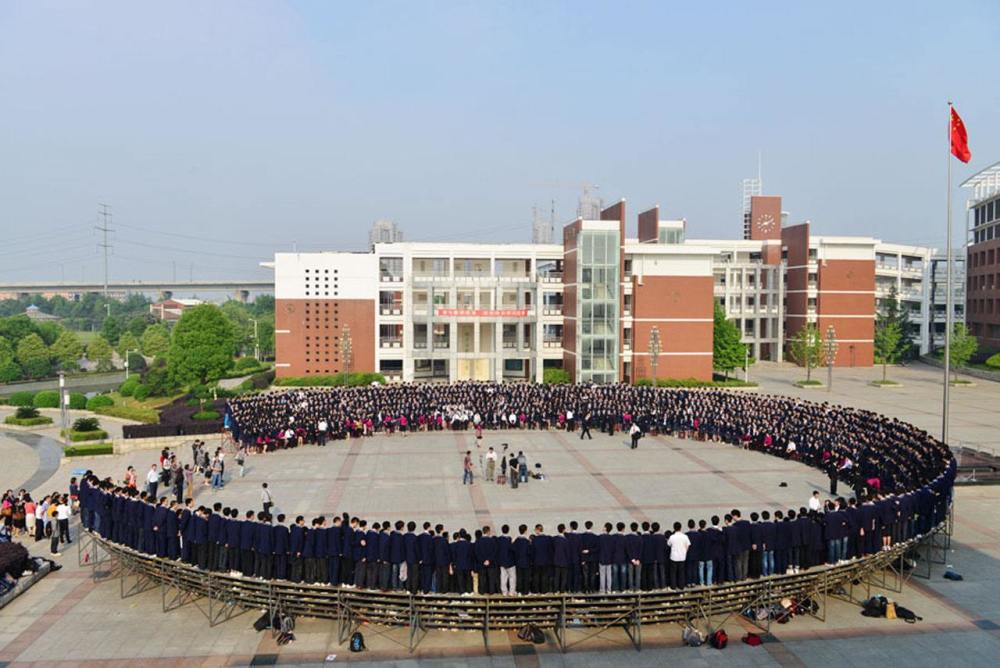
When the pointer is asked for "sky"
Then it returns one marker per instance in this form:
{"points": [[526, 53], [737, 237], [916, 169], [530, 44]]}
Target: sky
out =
{"points": [[219, 132]]}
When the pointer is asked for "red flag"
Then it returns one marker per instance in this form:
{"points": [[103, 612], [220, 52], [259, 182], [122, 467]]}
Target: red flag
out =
{"points": [[959, 140]]}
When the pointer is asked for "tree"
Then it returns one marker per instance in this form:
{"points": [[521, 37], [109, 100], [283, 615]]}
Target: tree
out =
{"points": [[963, 346], [888, 338], [137, 324], [202, 346], [127, 341], [265, 335], [155, 341], [239, 317], [728, 351], [892, 311], [554, 376], [67, 351], [806, 349], [9, 369], [33, 356], [111, 330], [99, 350]]}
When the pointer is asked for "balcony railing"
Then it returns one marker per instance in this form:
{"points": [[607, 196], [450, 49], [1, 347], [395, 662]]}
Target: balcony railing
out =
{"points": [[552, 310], [390, 278], [391, 309], [552, 343], [390, 342]]}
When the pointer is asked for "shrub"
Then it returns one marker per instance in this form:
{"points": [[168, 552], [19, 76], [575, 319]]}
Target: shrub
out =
{"points": [[99, 401], [193, 403], [141, 392], [993, 361], [89, 449], [127, 388], [26, 412], [86, 424], [205, 415], [247, 364], [47, 399], [555, 376], [77, 401], [22, 398], [353, 380], [27, 422], [146, 415], [76, 436]]}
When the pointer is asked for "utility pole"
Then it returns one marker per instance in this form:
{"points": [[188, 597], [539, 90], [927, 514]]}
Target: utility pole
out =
{"points": [[105, 227], [256, 341], [63, 398]]}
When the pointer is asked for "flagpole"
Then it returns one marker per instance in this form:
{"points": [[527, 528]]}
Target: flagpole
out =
{"points": [[948, 301]]}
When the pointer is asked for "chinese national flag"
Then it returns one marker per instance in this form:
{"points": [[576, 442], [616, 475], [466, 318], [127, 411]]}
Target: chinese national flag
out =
{"points": [[959, 140]]}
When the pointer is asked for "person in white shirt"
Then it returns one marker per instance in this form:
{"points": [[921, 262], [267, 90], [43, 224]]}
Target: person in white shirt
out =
{"points": [[636, 433], [679, 544], [814, 503], [152, 481], [491, 464], [62, 518], [321, 427]]}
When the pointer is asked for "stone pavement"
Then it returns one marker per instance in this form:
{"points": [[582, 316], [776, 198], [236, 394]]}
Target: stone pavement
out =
{"points": [[67, 620]]}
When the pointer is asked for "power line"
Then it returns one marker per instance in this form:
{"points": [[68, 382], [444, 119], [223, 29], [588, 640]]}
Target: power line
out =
{"points": [[195, 237], [256, 258]]}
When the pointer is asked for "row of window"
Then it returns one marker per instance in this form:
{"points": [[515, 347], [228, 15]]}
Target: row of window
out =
{"points": [[984, 282], [982, 258], [988, 212], [984, 306]]}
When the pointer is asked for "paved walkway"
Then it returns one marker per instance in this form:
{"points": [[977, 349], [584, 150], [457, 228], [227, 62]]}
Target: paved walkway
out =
{"points": [[66, 620]]}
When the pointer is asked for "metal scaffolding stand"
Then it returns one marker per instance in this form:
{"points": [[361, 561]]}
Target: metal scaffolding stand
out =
{"points": [[628, 619], [91, 554]]}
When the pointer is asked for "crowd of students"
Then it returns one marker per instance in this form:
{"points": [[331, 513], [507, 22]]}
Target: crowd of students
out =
{"points": [[902, 480], [47, 518]]}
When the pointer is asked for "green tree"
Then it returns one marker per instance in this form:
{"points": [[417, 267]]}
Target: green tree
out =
{"points": [[67, 351], [888, 340], [202, 346], [806, 349], [892, 311], [33, 356], [127, 341], [111, 330], [9, 368], [554, 376], [100, 351], [137, 324], [16, 328], [155, 341], [963, 346], [265, 335], [728, 351], [239, 317], [49, 331]]}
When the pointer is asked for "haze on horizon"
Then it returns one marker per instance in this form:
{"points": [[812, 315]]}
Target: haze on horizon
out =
{"points": [[220, 132]]}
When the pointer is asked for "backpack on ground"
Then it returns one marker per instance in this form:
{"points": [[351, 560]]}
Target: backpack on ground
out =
{"points": [[692, 637], [719, 639], [907, 615], [875, 607], [357, 642], [752, 639], [531, 633]]}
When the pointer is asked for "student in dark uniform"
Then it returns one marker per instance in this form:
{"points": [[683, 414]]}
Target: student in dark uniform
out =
{"points": [[442, 561], [541, 563], [199, 537], [620, 559], [232, 529], [574, 546], [247, 531], [425, 551], [396, 554], [280, 538], [263, 546], [462, 561], [172, 529], [359, 540], [186, 529], [296, 546], [334, 550], [522, 559], [485, 551], [588, 558], [347, 526], [411, 556], [372, 556]]}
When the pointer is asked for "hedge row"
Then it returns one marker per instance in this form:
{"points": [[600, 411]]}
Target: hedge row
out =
{"points": [[27, 422], [96, 435], [693, 382], [353, 380], [147, 415], [99, 401], [89, 449], [46, 399]]}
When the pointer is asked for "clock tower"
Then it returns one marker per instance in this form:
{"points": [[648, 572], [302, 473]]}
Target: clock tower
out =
{"points": [[765, 218]]}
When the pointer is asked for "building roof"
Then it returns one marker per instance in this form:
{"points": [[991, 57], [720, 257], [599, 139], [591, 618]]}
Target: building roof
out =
{"points": [[985, 183]]}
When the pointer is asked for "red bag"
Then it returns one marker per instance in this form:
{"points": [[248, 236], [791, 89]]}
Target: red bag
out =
{"points": [[752, 639], [719, 639]]}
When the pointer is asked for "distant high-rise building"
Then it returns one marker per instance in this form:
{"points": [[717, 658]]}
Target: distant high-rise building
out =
{"points": [[589, 206], [384, 232], [541, 229]]}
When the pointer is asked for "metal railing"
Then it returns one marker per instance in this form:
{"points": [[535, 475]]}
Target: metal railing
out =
{"points": [[220, 596]]}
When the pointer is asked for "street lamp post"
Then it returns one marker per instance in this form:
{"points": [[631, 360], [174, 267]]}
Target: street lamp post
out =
{"points": [[256, 341], [62, 407], [746, 364], [345, 351], [127, 357], [831, 354], [654, 350]]}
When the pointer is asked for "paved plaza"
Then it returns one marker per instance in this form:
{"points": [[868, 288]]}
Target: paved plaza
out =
{"points": [[68, 620]]}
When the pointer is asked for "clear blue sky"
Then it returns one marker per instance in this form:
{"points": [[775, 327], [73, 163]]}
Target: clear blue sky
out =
{"points": [[266, 123]]}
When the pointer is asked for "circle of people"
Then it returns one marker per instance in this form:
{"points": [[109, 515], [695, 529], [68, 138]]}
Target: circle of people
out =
{"points": [[901, 477]]}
